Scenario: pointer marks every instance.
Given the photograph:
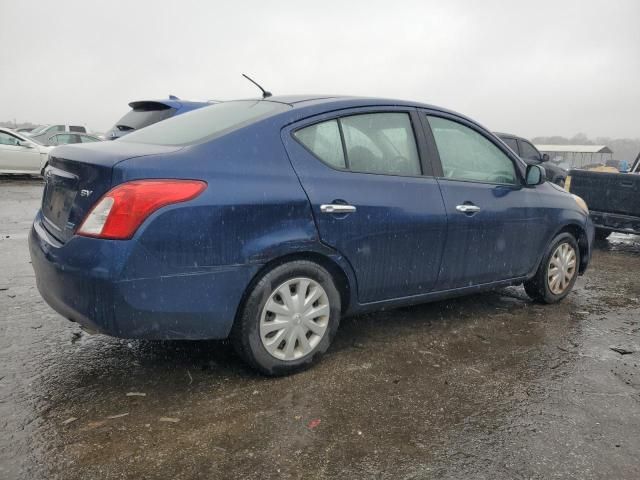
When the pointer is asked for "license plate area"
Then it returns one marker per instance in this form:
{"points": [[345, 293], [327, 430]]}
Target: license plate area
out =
{"points": [[60, 192]]}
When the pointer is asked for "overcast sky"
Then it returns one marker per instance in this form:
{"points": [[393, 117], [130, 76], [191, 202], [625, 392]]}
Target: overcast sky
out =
{"points": [[527, 67]]}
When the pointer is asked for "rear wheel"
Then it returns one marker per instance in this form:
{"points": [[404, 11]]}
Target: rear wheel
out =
{"points": [[288, 319], [557, 272], [602, 234]]}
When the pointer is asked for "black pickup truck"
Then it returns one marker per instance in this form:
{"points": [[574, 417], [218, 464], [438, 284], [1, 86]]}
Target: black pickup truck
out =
{"points": [[613, 198]]}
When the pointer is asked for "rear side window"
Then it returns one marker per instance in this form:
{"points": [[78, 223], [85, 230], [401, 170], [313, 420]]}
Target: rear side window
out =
{"points": [[323, 139], [373, 143], [467, 155], [206, 123]]}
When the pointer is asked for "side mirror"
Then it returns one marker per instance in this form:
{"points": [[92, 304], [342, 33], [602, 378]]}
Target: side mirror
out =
{"points": [[544, 157], [535, 175], [25, 144]]}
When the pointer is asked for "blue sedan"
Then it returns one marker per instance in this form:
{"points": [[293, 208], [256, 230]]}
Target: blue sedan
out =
{"points": [[268, 220]]}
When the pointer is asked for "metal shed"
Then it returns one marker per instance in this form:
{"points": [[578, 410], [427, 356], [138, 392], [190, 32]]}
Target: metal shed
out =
{"points": [[577, 156]]}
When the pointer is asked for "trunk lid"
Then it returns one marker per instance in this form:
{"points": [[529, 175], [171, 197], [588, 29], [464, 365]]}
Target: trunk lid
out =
{"points": [[78, 175]]}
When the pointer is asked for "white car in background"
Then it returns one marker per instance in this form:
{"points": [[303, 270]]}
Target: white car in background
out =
{"points": [[42, 133], [20, 154]]}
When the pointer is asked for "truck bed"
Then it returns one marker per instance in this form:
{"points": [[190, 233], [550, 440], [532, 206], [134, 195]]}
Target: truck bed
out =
{"points": [[614, 193]]}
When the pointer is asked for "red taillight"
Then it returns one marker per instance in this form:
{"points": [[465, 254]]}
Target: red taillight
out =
{"points": [[122, 210]]}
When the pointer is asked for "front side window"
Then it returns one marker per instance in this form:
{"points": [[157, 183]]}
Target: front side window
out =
{"points": [[373, 143], [6, 139], [467, 155], [528, 151]]}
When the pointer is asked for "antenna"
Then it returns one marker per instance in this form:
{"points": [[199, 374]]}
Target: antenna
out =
{"points": [[265, 94]]}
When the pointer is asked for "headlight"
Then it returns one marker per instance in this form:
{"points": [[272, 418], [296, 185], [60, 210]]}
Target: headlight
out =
{"points": [[581, 203]]}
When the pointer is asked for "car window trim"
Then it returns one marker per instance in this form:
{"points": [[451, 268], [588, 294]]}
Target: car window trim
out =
{"points": [[516, 162], [426, 169]]}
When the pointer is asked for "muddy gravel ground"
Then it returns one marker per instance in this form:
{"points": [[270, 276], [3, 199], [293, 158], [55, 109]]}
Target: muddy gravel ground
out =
{"points": [[489, 386]]}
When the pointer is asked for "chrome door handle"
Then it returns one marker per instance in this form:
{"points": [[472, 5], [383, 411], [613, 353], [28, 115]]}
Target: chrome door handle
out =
{"points": [[337, 208], [468, 208]]}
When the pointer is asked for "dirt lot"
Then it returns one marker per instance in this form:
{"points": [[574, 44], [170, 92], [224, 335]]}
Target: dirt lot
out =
{"points": [[489, 386]]}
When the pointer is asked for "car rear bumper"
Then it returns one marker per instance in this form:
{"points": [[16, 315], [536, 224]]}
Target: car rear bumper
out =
{"points": [[616, 222], [80, 280]]}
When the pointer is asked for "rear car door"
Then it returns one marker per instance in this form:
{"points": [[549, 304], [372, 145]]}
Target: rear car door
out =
{"points": [[494, 223], [373, 196]]}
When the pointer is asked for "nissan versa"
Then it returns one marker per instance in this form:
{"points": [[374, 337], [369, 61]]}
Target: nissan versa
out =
{"points": [[267, 220]]}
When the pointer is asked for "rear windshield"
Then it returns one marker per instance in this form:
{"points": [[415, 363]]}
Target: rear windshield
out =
{"points": [[206, 123], [38, 130], [143, 117]]}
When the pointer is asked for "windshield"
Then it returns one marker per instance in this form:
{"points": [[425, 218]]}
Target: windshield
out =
{"points": [[206, 123], [38, 130]]}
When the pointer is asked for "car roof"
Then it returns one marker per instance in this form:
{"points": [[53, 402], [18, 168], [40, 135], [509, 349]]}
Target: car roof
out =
{"points": [[317, 104]]}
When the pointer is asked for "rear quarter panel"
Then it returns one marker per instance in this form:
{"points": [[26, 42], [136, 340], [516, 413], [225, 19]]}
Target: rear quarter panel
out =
{"points": [[252, 210]]}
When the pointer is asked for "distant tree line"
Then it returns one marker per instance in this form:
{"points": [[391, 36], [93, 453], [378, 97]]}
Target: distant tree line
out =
{"points": [[623, 148]]}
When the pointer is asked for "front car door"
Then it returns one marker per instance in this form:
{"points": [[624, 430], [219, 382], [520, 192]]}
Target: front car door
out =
{"points": [[18, 155], [495, 229], [373, 197]]}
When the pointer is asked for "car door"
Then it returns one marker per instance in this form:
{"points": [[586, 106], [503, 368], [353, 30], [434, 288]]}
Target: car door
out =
{"points": [[18, 154], [373, 197], [493, 231]]}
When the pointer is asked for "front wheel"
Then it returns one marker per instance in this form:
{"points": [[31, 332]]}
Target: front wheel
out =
{"points": [[289, 318], [557, 272]]}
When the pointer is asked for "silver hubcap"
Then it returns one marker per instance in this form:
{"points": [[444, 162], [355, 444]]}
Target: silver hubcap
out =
{"points": [[562, 268], [294, 319]]}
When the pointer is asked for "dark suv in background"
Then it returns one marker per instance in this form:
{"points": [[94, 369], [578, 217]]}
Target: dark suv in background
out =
{"points": [[147, 112], [530, 154]]}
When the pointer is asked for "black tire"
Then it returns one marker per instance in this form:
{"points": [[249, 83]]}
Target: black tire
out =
{"points": [[602, 234], [245, 334], [538, 286]]}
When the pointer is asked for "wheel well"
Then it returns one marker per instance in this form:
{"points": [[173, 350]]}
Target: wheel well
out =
{"points": [[336, 272], [583, 244]]}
